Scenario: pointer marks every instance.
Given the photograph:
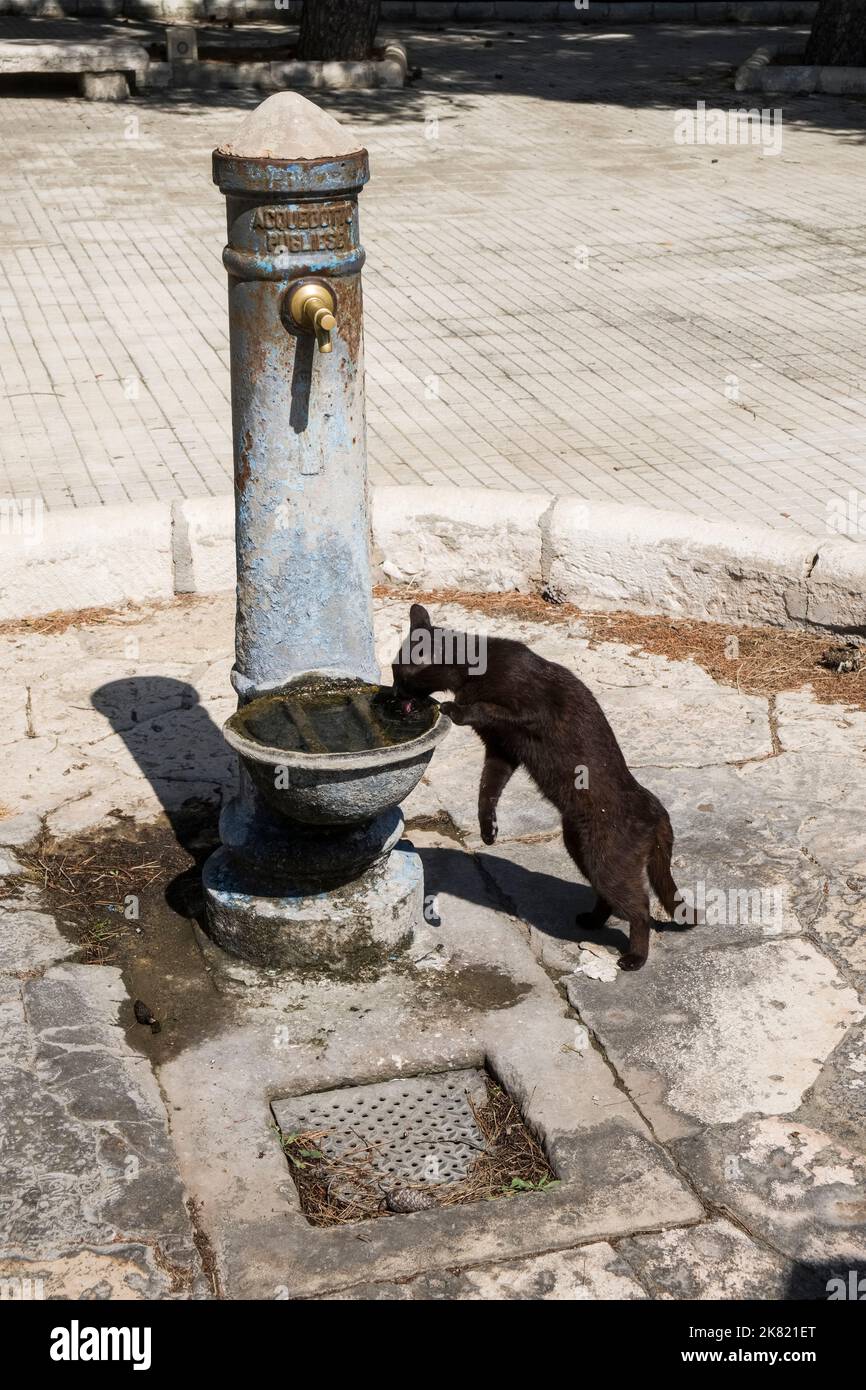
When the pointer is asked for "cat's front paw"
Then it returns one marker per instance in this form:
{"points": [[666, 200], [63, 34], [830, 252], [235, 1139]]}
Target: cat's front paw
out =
{"points": [[631, 961], [452, 710], [489, 829]]}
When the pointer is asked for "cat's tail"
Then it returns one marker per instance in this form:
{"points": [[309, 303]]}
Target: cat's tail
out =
{"points": [[661, 879]]}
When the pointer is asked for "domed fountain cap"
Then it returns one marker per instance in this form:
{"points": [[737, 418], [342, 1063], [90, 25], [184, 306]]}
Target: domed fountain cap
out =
{"points": [[288, 126], [290, 145]]}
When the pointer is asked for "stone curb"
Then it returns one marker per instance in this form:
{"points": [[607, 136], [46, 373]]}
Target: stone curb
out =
{"points": [[761, 73], [600, 556], [94, 557], [391, 70]]}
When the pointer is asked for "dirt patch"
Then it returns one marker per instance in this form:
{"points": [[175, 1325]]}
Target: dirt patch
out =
{"points": [[476, 987], [756, 660], [127, 896], [438, 824], [203, 1245], [513, 1163], [53, 624]]}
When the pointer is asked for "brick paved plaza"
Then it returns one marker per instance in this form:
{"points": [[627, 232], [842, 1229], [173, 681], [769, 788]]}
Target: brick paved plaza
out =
{"points": [[558, 295]]}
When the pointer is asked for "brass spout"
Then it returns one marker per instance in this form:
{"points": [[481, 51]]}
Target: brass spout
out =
{"points": [[312, 306]]}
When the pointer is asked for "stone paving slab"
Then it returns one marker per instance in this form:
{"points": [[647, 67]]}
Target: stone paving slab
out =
{"points": [[710, 1261], [733, 1033], [790, 1185], [592, 1272], [92, 1198], [694, 343], [706, 1115]]}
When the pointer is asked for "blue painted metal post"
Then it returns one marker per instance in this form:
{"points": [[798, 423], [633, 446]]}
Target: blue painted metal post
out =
{"points": [[291, 177], [304, 586]]}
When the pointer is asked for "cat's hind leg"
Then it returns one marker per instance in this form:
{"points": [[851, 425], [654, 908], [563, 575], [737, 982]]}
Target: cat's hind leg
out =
{"points": [[629, 899], [615, 865], [499, 767], [598, 914]]}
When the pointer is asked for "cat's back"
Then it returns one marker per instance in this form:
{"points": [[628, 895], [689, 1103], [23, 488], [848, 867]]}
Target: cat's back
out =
{"points": [[515, 671]]}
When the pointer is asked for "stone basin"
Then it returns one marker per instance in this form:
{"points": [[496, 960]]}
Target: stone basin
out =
{"points": [[317, 783]]}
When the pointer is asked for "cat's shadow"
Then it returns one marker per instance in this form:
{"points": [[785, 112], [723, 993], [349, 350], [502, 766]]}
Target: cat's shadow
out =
{"points": [[544, 901]]}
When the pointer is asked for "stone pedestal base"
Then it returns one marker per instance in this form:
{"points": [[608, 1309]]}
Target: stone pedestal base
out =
{"points": [[344, 932]]}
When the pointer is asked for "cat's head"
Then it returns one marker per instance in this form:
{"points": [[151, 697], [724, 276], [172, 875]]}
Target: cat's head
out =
{"points": [[416, 670]]}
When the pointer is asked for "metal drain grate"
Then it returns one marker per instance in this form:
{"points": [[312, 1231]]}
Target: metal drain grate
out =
{"points": [[418, 1129]]}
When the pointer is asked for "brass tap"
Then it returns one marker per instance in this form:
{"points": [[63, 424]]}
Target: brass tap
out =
{"points": [[312, 306]]}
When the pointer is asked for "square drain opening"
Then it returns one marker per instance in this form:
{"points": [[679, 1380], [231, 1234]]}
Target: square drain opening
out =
{"points": [[411, 1144]]}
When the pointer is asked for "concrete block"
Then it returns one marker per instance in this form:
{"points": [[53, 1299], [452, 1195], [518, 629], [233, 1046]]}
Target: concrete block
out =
{"points": [[750, 74], [605, 556], [182, 43], [842, 81], [475, 11], [623, 12], [665, 13], [837, 585], [104, 86], [797, 11], [395, 52], [796, 78], [156, 76], [203, 544], [758, 12], [109, 57], [469, 538], [398, 9], [90, 557], [523, 11], [435, 13]]}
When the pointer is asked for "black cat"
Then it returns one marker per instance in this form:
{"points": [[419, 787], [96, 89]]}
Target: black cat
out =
{"points": [[534, 713]]}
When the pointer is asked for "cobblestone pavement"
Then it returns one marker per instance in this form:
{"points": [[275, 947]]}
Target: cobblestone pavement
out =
{"points": [[706, 1115], [558, 294]]}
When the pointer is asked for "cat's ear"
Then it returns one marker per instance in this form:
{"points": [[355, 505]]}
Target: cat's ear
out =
{"points": [[419, 617]]}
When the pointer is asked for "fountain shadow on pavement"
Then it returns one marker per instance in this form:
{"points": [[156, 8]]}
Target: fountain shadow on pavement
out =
{"points": [[183, 755]]}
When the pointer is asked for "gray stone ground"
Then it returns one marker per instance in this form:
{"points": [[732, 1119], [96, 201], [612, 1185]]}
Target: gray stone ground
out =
{"points": [[706, 1114], [558, 295]]}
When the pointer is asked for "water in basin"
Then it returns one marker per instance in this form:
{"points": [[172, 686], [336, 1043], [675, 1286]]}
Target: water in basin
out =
{"points": [[335, 717]]}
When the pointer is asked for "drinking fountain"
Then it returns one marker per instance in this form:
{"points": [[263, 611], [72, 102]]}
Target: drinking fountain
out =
{"points": [[312, 872]]}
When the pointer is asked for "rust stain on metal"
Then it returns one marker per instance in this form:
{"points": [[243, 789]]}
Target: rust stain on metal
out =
{"points": [[243, 470], [349, 315]]}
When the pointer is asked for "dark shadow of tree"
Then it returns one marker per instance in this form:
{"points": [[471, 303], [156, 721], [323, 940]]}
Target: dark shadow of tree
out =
{"points": [[638, 67]]}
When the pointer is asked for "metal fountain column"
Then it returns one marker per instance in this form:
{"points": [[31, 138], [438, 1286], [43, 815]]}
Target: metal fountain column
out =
{"points": [[291, 177], [304, 595]]}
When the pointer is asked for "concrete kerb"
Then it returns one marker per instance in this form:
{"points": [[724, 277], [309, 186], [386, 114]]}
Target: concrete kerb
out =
{"points": [[767, 71], [103, 66], [389, 70], [600, 556]]}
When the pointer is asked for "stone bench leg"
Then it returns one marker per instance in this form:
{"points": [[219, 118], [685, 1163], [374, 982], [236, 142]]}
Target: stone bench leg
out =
{"points": [[104, 86]]}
